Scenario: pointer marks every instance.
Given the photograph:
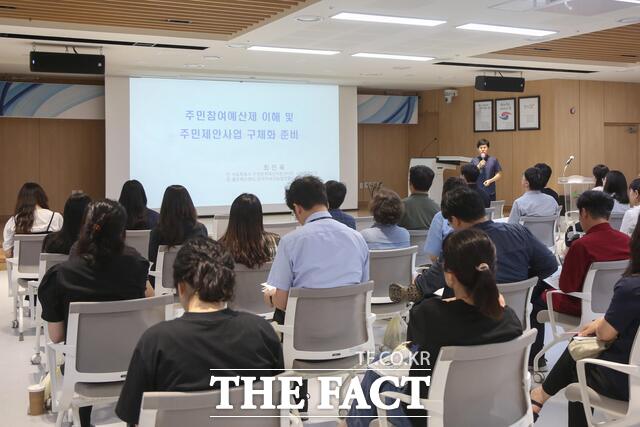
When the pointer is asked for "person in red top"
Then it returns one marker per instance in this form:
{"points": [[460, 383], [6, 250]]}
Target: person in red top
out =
{"points": [[600, 243]]}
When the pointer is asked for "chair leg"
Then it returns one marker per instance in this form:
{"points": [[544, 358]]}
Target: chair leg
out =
{"points": [[60, 417], [536, 359], [20, 321]]}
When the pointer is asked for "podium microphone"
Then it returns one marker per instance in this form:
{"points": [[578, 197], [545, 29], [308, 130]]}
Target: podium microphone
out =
{"points": [[566, 165]]}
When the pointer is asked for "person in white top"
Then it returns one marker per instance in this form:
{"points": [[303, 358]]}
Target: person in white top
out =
{"points": [[32, 215], [630, 218]]}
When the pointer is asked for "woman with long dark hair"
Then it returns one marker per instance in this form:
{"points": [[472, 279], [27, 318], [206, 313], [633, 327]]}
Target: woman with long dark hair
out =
{"points": [[475, 316], [618, 327], [103, 270], [134, 199], [615, 184], [630, 218], [178, 221], [245, 238], [31, 216], [61, 241]]}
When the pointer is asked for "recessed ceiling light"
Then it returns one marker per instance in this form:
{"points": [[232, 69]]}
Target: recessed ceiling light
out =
{"points": [[630, 20], [347, 16], [308, 18], [293, 50], [507, 30], [212, 57], [179, 21], [193, 65], [385, 56], [236, 45]]}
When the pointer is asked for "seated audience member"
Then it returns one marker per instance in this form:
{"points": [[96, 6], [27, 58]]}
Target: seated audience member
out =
{"points": [[387, 209], [104, 270], [134, 200], [619, 327], [630, 218], [520, 255], [336, 192], [599, 172], [31, 216], [470, 173], [245, 238], [60, 242], [419, 209], [474, 316], [600, 243], [323, 253], [615, 184], [178, 221], [546, 175], [440, 227], [533, 203], [177, 355]]}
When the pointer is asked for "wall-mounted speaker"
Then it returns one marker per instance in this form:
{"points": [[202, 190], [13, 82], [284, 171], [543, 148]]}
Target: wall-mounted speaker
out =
{"points": [[71, 63], [500, 84]]}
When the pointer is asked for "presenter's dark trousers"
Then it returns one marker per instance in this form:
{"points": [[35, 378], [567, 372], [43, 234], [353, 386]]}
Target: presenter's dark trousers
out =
{"points": [[564, 373]]}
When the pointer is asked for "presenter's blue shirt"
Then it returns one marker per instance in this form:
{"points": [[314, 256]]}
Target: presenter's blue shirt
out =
{"points": [[323, 253], [490, 169], [386, 236]]}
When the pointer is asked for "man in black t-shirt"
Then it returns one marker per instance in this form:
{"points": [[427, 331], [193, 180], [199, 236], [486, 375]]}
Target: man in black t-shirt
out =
{"points": [[178, 355]]}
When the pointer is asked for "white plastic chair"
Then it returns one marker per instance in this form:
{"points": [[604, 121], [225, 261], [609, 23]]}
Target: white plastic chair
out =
{"points": [[96, 358], [596, 295], [484, 385], [138, 240], [490, 213], [198, 409], [163, 272], [363, 222], [46, 262], [544, 228], [615, 220], [20, 269], [281, 228], [517, 295], [385, 268], [621, 413], [418, 238], [248, 292], [498, 206]]}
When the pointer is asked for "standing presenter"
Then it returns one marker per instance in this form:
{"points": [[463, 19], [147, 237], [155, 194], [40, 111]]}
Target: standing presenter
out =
{"points": [[489, 167]]}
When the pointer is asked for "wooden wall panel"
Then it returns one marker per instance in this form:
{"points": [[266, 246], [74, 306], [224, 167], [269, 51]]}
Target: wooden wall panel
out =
{"points": [[61, 155], [19, 147], [621, 150], [566, 126], [591, 112], [384, 150], [621, 102]]}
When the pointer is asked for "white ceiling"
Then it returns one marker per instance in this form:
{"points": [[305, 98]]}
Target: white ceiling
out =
{"points": [[444, 42]]}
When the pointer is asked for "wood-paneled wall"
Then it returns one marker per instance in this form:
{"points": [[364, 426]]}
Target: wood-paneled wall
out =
{"points": [[574, 117], [62, 155]]}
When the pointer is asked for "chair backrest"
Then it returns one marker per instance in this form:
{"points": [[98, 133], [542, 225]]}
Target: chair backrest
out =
{"points": [[49, 260], [599, 282], [164, 264], [248, 293], [92, 330], [138, 240], [391, 266], [615, 220], [327, 324], [198, 409], [27, 248], [490, 213], [543, 227], [363, 222], [517, 295], [418, 238], [498, 394], [498, 206]]}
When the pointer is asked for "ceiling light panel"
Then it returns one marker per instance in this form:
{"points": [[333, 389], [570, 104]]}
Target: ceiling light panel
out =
{"points": [[506, 30], [293, 50], [388, 56], [362, 17]]}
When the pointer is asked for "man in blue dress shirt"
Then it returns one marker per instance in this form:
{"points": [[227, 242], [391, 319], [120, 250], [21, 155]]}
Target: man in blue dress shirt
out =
{"points": [[489, 167], [533, 203], [323, 253]]}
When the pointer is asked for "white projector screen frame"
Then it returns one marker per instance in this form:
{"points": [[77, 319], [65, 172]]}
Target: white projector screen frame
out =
{"points": [[117, 150]]}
